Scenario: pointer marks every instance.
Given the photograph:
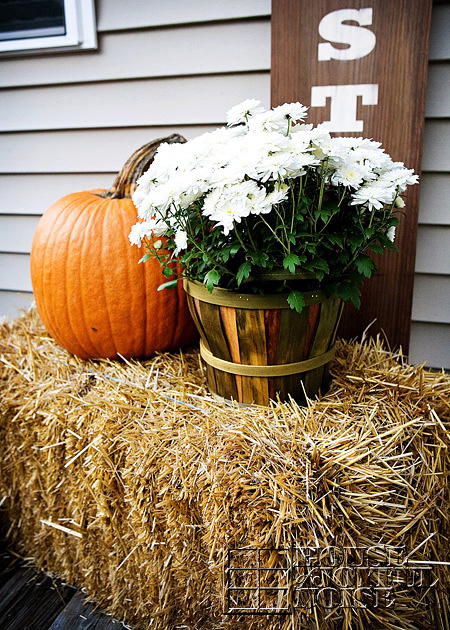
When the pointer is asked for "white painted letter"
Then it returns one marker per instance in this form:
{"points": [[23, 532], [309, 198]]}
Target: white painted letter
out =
{"points": [[361, 40], [344, 99]]}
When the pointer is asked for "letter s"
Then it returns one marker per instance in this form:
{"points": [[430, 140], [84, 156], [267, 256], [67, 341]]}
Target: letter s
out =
{"points": [[361, 40]]}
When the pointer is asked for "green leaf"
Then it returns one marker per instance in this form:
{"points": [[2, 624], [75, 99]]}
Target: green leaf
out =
{"points": [[289, 262], [258, 258], [296, 301], [168, 285], [365, 265], [229, 250], [376, 248], [355, 242], [243, 272], [145, 258], [348, 292], [336, 239], [319, 263], [211, 278], [317, 266], [324, 213]]}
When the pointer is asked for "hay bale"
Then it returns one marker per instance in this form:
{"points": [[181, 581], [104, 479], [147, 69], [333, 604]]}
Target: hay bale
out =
{"points": [[128, 480]]}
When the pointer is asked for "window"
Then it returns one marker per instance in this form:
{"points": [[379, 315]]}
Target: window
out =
{"points": [[28, 26]]}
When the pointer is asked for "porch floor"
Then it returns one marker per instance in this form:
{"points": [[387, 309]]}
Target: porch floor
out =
{"points": [[35, 601]]}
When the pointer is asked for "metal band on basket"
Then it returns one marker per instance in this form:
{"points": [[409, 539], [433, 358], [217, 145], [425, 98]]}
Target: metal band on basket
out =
{"points": [[265, 370]]}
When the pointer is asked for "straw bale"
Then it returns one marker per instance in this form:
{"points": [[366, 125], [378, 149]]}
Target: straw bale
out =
{"points": [[131, 482]]}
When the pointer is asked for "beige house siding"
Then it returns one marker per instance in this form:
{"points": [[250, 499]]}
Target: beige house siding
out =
{"points": [[68, 121], [430, 329]]}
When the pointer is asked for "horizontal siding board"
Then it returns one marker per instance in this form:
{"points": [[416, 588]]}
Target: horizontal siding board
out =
{"points": [[192, 50], [438, 91], [32, 194], [430, 343], [16, 233], [12, 303], [436, 146], [434, 199], [178, 101], [80, 151], [433, 250], [111, 14], [15, 272], [431, 301], [439, 36]]}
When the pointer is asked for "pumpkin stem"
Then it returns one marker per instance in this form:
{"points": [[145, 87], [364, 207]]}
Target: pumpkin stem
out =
{"points": [[125, 182]]}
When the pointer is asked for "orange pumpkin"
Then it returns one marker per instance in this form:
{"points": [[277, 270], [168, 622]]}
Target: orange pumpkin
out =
{"points": [[91, 293]]}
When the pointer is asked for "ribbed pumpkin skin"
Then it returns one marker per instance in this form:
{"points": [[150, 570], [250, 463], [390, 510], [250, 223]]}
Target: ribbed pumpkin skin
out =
{"points": [[91, 293]]}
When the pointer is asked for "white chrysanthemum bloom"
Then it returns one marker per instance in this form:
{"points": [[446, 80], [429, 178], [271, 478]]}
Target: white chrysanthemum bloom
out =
{"points": [[399, 202], [373, 196], [321, 143], [275, 166], [241, 158], [160, 198], [291, 111], [180, 240], [278, 119], [300, 138], [264, 142], [242, 112], [279, 193], [191, 185], [146, 229], [166, 159], [256, 199], [351, 174], [398, 176], [231, 203], [299, 164], [391, 233], [211, 201]]}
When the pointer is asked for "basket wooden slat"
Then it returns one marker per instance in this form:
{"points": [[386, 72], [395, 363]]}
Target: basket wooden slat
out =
{"points": [[248, 334]]}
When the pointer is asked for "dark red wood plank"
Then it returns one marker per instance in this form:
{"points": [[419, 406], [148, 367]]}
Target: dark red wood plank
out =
{"points": [[397, 64]]}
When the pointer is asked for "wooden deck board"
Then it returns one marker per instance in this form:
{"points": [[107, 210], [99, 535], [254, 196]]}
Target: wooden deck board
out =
{"points": [[36, 601], [82, 615]]}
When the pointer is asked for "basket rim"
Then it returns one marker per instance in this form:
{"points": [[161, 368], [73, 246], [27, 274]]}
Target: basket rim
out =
{"points": [[228, 297]]}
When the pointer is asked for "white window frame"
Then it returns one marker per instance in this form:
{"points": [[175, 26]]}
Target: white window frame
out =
{"points": [[81, 33]]}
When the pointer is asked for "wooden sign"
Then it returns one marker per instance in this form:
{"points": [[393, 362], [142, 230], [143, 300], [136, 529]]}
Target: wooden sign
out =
{"points": [[361, 65]]}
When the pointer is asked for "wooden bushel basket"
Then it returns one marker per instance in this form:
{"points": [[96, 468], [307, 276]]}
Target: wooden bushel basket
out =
{"points": [[257, 348]]}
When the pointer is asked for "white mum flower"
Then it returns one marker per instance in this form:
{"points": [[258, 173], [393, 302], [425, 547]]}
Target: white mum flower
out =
{"points": [[300, 138], [180, 240], [279, 193], [275, 166], [146, 229], [351, 174], [231, 203], [398, 176], [373, 196], [242, 112], [291, 111], [278, 118], [391, 233]]}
